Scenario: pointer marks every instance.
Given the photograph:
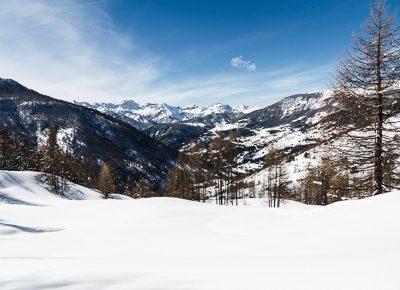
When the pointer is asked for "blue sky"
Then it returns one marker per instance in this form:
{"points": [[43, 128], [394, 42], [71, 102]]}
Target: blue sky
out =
{"points": [[177, 52]]}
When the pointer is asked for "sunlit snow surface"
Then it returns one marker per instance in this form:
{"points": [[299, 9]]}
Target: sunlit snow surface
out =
{"points": [[48, 242]]}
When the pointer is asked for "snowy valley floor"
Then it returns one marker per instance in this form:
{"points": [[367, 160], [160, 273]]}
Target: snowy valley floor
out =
{"points": [[47, 242]]}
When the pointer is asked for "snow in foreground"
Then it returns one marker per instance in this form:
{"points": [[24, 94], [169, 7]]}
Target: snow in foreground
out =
{"points": [[47, 242]]}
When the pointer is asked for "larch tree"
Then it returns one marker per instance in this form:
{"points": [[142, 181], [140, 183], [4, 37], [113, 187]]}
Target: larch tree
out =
{"points": [[364, 88], [52, 163], [217, 167], [6, 149], [276, 184], [221, 163], [195, 163], [106, 181], [27, 157], [146, 188], [181, 180], [323, 183]]}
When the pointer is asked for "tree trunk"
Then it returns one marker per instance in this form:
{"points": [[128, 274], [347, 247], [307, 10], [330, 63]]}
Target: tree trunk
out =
{"points": [[379, 130]]}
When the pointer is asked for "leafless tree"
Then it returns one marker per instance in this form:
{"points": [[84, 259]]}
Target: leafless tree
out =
{"points": [[364, 87]]}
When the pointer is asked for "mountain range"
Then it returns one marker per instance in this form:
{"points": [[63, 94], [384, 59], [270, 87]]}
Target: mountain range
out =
{"points": [[144, 116], [293, 125], [108, 132]]}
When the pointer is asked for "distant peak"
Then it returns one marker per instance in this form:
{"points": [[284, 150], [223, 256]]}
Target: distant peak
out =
{"points": [[128, 102], [130, 105]]}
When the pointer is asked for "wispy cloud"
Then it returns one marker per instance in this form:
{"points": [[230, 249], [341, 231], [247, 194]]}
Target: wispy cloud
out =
{"points": [[240, 62], [66, 49], [71, 49], [299, 78], [259, 88]]}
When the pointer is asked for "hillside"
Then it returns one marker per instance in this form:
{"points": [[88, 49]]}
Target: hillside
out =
{"points": [[51, 242], [179, 126], [292, 125], [179, 134], [97, 136]]}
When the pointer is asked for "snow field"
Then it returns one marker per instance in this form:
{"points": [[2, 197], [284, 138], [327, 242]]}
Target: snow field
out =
{"points": [[48, 242]]}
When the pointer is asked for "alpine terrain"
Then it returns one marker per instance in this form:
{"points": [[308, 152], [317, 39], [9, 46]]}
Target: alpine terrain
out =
{"points": [[190, 183]]}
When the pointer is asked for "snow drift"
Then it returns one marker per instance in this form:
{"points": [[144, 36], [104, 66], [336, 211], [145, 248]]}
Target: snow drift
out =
{"points": [[165, 243]]}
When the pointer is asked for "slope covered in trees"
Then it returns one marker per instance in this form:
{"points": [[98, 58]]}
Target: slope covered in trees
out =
{"points": [[83, 134]]}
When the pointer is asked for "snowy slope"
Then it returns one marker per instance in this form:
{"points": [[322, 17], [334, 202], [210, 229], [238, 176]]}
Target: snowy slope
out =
{"points": [[301, 132], [27, 188], [165, 243], [292, 125]]}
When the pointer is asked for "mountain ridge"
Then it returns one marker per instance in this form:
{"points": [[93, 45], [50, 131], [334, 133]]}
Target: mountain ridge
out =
{"points": [[146, 115], [101, 137]]}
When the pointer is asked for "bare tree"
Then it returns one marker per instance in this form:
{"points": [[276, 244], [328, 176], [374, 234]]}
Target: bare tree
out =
{"points": [[364, 86], [276, 184]]}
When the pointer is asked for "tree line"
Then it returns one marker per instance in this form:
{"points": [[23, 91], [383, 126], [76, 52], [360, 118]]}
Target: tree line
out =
{"points": [[207, 170], [62, 164], [210, 172]]}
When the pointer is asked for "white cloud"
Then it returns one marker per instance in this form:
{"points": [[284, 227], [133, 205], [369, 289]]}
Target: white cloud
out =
{"points": [[70, 50], [65, 49], [240, 62], [259, 88]]}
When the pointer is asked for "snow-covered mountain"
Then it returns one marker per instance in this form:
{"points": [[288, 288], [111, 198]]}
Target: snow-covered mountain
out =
{"points": [[299, 125], [144, 116], [286, 120], [98, 137], [292, 125]]}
